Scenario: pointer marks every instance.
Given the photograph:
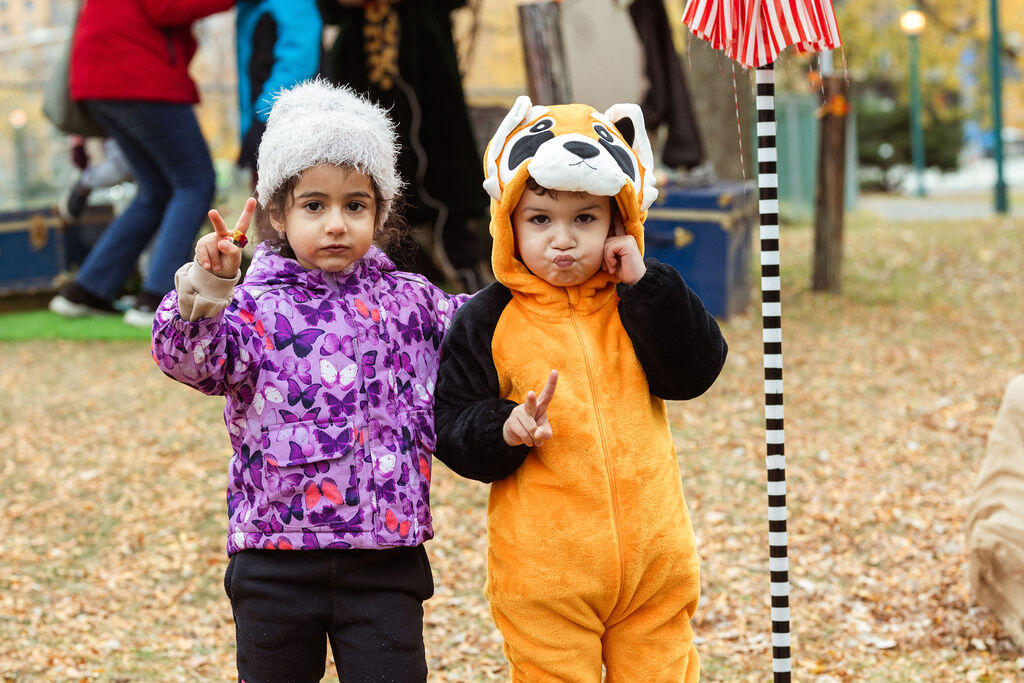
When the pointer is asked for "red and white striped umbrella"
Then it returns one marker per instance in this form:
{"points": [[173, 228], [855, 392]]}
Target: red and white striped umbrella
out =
{"points": [[753, 33]]}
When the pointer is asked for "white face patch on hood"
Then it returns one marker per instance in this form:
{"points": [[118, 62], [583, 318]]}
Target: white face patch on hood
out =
{"points": [[573, 148]]}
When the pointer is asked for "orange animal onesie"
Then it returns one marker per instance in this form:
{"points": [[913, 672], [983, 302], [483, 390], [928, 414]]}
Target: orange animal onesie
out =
{"points": [[592, 557]]}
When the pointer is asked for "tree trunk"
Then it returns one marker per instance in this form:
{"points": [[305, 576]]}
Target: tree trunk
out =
{"points": [[547, 73], [826, 275], [710, 75]]}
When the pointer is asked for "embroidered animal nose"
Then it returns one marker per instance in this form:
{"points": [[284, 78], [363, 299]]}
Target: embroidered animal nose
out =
{"points": [[581, 149]]}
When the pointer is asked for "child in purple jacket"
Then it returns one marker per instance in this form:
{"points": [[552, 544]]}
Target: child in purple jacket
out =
{"points": [[327, 357]]}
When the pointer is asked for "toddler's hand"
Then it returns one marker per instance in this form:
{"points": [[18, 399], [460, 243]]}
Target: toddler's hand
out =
{"points": [[215, 251], [622, 255], [528, 423]]}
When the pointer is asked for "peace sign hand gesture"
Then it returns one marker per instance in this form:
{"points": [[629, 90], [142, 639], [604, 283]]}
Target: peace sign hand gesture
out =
{"points": [[528, 423], [220, 252]]}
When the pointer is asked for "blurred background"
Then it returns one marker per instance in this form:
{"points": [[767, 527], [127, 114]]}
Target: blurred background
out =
{"points": [[948, 97], [897, 364]]}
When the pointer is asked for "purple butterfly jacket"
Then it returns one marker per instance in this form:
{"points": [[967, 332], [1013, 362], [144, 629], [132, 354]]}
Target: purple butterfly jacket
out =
{"points": [[329, 383]]}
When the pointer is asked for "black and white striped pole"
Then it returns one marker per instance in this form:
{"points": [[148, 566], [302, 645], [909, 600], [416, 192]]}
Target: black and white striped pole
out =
{"points": [[771, 317]]}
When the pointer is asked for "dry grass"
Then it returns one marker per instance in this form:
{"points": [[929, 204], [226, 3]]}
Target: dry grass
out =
{"points": [[113, 516]]}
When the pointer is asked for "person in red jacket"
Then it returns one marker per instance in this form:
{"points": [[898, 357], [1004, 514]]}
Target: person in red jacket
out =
{"points": [[129, 64]]}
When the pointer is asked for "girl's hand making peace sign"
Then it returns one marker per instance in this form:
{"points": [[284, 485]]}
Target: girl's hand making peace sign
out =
{"points": [[220, 252], [528, 423]]}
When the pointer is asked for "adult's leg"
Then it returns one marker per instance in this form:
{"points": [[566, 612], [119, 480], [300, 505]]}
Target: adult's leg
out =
{"points": [[170, 137], [281, 608], [180, 151], [113, 257]]}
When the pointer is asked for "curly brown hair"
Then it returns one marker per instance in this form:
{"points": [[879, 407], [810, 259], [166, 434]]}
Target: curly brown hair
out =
{"points": [[388, 235]]}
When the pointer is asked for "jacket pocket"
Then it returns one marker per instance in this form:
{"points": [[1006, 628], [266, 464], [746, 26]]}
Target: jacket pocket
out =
{"points": [[401, 479], [170, 47], [423, 452], [311, 475], [305, 443]]}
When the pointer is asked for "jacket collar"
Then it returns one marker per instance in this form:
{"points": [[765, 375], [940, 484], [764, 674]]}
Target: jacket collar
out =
{"points": [[269, 267]]}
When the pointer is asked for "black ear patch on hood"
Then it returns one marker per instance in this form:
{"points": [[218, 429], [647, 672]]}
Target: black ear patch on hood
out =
{"points": [[526, 147], [620, 155], [626, 129]]}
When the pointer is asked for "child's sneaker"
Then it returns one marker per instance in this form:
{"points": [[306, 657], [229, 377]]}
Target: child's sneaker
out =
{"points": [[141, 314], [74, 301]]}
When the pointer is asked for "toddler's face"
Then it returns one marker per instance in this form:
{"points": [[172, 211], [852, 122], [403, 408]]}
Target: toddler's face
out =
{"points": [[330, 218], [561, 235]]}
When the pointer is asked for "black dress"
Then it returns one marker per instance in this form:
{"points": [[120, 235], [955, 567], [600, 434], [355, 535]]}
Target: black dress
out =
{"points": [[402, 55]]}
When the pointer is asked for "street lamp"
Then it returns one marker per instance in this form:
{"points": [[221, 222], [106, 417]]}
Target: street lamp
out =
{"points": [[912, 24], [997, 108]]}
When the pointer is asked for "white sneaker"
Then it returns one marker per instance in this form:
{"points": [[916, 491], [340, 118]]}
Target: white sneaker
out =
{"points": [[69, 309], [138, 317], [63, 307]]}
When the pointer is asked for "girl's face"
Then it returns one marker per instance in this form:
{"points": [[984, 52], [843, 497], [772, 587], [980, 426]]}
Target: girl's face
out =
{"points": [[330, 218]]}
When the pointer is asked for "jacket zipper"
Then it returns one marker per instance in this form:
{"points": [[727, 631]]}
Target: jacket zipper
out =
{"points": [[604, 444]]}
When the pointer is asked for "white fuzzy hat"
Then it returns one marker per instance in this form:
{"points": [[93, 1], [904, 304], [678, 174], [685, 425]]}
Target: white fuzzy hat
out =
{"points": [[316, 123]]}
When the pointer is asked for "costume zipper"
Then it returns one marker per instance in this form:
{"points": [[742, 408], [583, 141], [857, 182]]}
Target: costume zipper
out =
{"points": [[604, 443]]}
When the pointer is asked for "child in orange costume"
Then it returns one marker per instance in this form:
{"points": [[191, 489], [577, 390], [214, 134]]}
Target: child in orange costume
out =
{"points": [[592, 558]]}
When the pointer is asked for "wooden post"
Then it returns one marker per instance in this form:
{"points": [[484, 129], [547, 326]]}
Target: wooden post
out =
{"points": [[547, 73], [829, 207]]}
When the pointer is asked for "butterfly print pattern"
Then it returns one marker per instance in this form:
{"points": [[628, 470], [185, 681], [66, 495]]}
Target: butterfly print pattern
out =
{"points": [[328, 380]]}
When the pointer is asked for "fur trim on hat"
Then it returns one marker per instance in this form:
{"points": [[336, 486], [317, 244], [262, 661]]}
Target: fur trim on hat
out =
{"points": [[315, 123]]}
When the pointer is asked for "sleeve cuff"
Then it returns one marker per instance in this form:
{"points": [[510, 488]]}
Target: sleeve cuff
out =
{"points": [[201, 294], [507, 458], [652, 284]]}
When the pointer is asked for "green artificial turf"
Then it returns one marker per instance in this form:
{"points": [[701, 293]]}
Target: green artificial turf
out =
{"points": [[28, 325]]}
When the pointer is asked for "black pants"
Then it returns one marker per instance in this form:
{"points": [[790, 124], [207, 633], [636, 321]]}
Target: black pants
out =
{"points": [[369, 603]]}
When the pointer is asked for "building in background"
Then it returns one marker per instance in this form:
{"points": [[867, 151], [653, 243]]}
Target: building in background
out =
{"points": [[32, 34], [20, 17], [34, 162]]}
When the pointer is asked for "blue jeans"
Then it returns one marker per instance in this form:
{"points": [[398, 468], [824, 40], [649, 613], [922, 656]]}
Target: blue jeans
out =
{"points": [[176, 182]]}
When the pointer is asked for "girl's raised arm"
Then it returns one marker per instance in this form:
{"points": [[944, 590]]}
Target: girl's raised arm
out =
{"points": [[214, 355], [206, 333]]}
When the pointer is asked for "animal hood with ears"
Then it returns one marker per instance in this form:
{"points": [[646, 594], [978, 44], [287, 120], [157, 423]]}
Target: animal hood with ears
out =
{"points": [[571, 147]]}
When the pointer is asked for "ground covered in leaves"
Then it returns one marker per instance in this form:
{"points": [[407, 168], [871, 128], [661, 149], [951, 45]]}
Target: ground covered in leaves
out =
{"points": [[113, 515]]}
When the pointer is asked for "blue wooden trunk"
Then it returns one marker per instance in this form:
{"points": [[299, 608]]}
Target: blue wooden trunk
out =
{"points": [[705, 234], [36, 247]]}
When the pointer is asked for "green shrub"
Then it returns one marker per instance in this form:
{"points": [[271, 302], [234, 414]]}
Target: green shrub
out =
{"points": [[883, 137]]}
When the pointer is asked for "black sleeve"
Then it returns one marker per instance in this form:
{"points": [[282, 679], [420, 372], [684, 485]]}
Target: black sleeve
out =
{"points": [[261, 60], [333, 13], [676, 340], [468, 413], [248, 155]]}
